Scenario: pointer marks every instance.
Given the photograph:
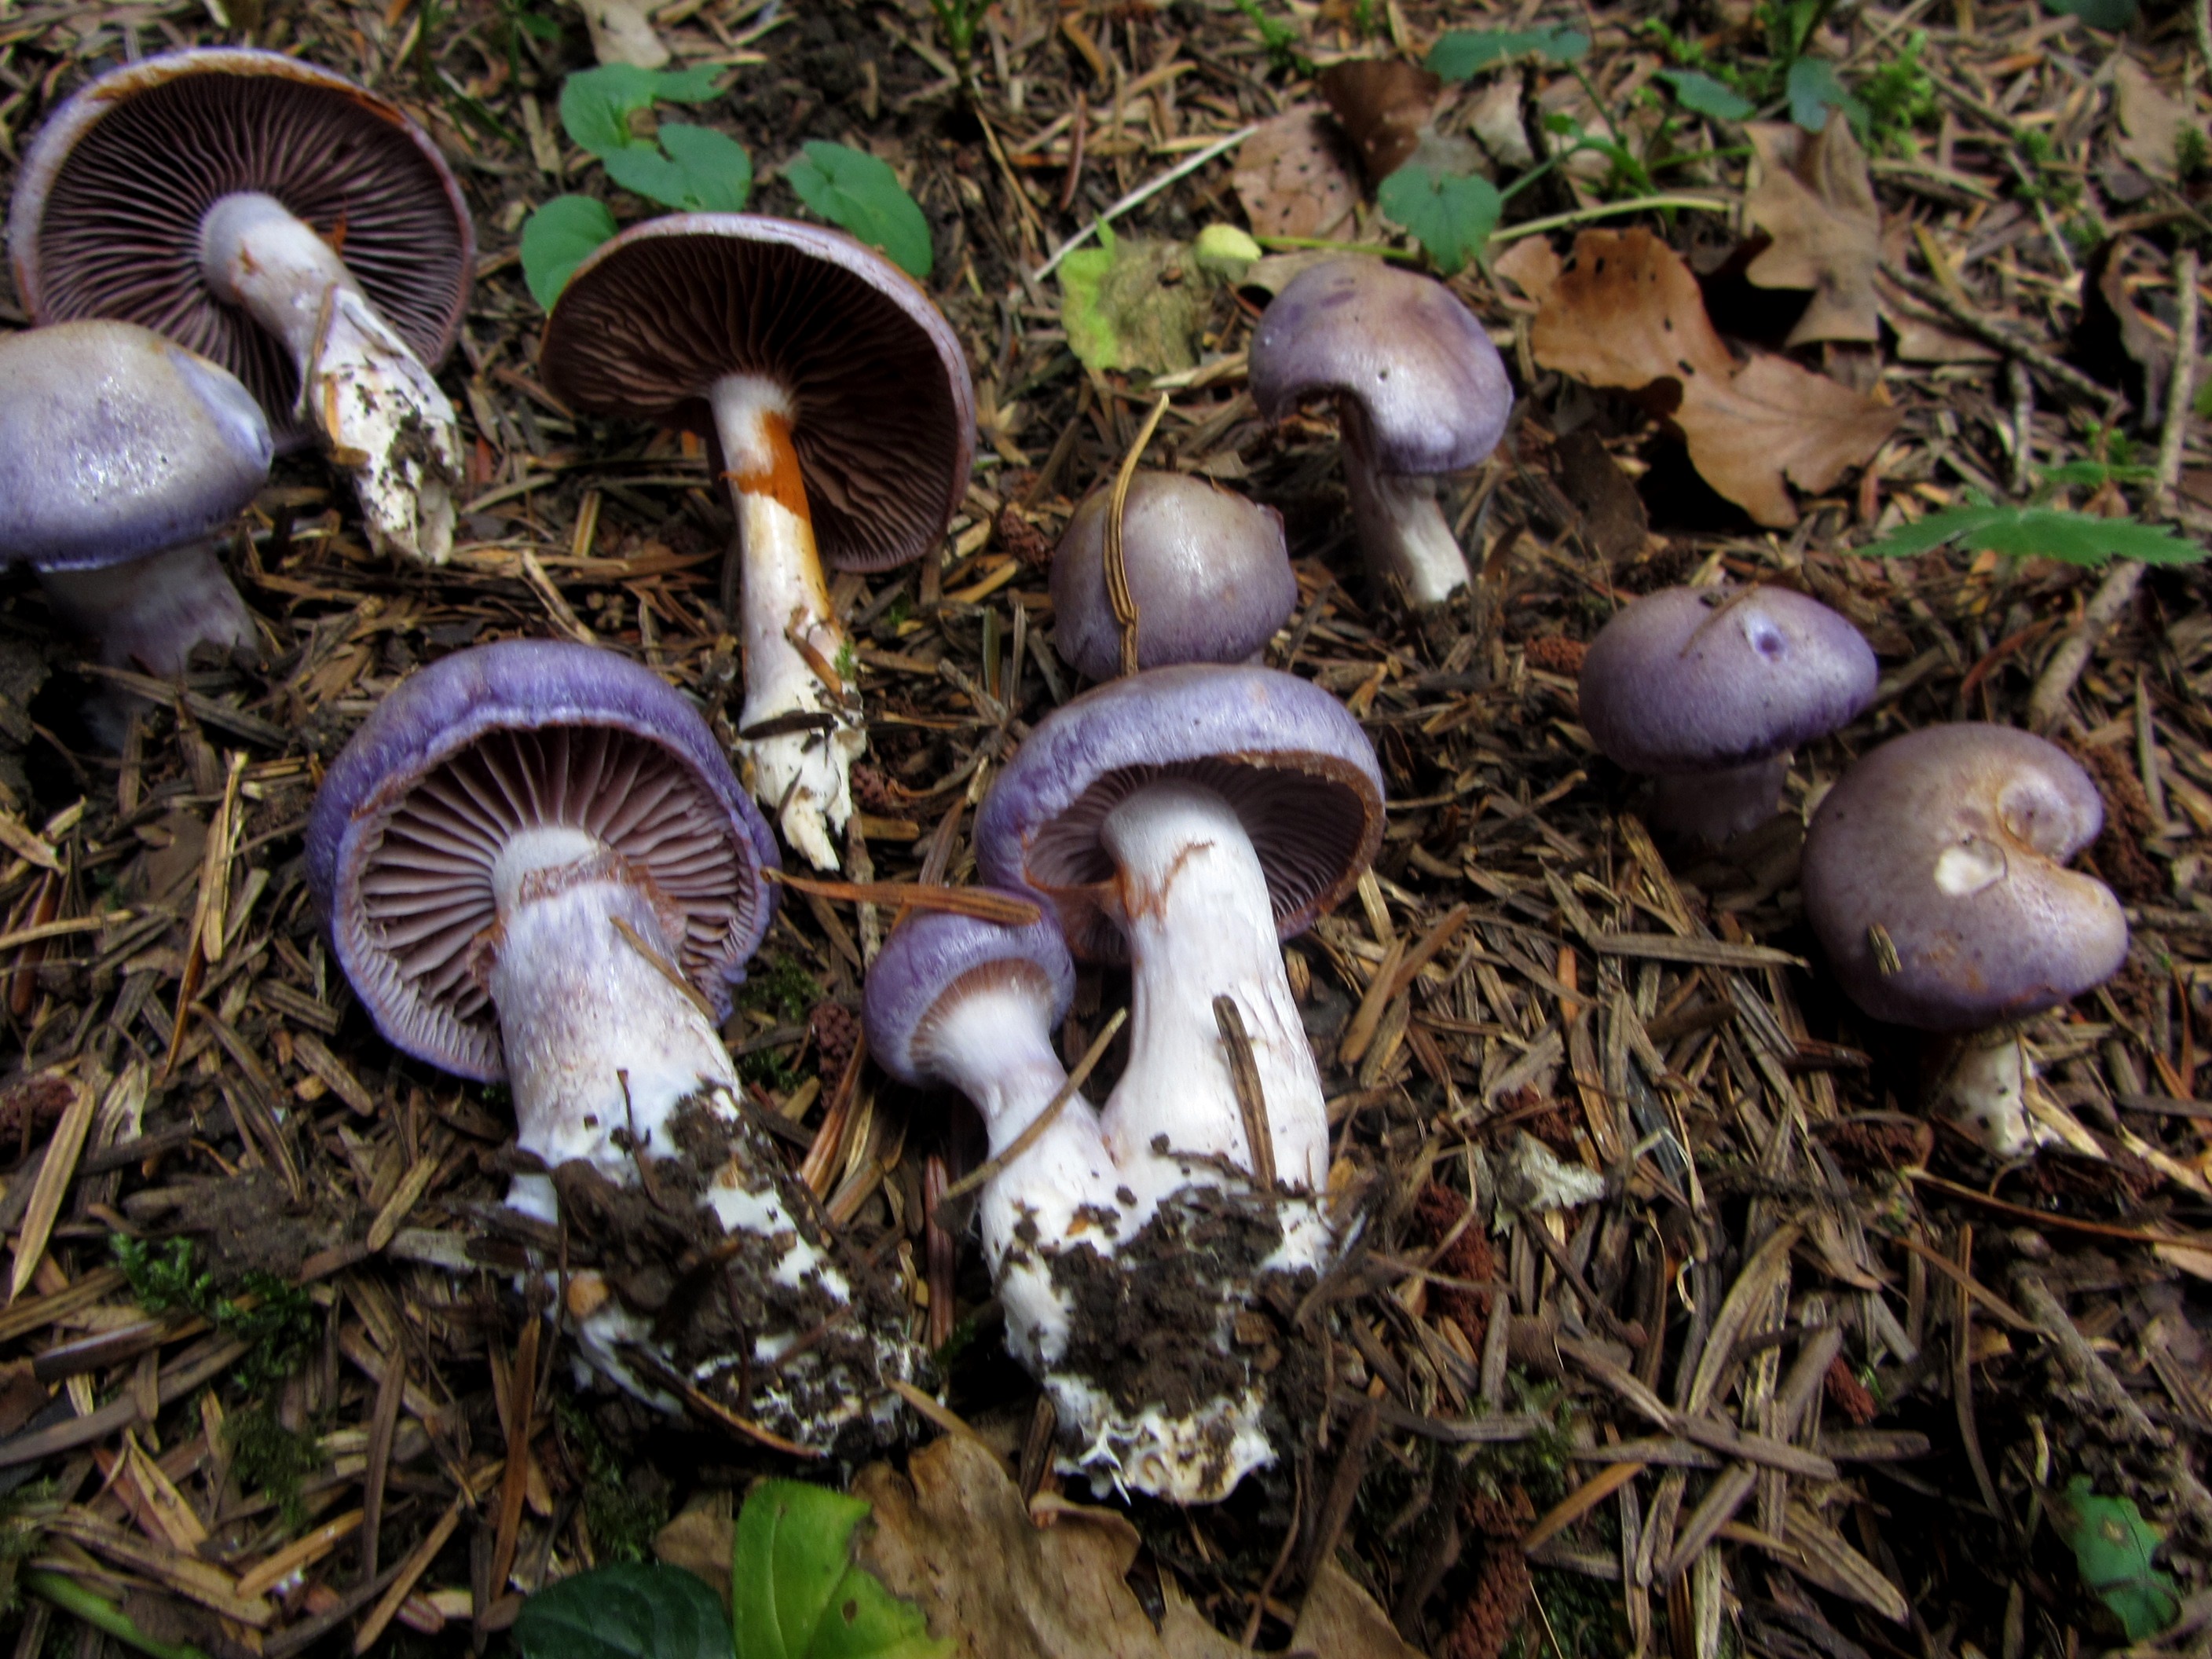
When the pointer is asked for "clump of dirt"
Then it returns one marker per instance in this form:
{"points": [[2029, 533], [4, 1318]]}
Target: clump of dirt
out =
{"points": [[1437, 1210], [248, 1223], [1864, 1144], [2116, 856], [1555, 653]]}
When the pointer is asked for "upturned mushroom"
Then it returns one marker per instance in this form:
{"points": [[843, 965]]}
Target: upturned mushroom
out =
{"points": [[121, 456], [294, 227], [1420, 391], [1207, 570], [538, 869], [1933, 875], [1186, 820], [842, 407], [1707, 690]]}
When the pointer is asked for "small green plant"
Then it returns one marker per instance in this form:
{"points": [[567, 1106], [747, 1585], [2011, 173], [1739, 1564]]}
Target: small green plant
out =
{"points": [[1460, 54], [2112, 1547], [2021, 531], [796, 1592], [957, 21], [622, 1522], [857, 192], [266, 1455], [1900, 96], [277, 1320], [1279, 40]]}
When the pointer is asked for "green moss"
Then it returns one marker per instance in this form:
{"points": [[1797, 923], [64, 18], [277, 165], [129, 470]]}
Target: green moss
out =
{"points": [[275, 1320], [623, 1521], [267, 1456]]}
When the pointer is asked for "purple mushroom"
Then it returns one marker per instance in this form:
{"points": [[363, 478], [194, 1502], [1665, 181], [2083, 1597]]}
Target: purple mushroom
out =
{"points": [[1707, 689], [537, 868], [1419, 390], [122, 455], [1934, 874], [293, 227], [954, 1000], [842, 406], [1207, 568]]}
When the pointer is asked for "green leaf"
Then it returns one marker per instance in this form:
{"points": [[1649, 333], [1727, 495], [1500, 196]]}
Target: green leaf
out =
{"points": [[703, 171], [1451, 214], [627, 1611], [560, 236], [1701, 94], [597, 103], [796, 1592], [2025, 531], [2112, 1545], [855, 191], [2098, 13], [1463, 52], [1815, 90]]}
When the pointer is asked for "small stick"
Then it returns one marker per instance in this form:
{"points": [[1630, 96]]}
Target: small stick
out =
{"points": [[1144, 193], [2181, 385], [1990, 334], [1251, 1100], [1117, 569], [1044, 1120], [917, 896]]}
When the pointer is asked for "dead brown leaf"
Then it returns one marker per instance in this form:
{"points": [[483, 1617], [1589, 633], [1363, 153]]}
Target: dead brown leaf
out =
{"points": [[1924, 334], [1384, 103], [1813, 196], [1294, 178], [1532, 266], [1628, 314], [1340, 1621], [2150, 121]]}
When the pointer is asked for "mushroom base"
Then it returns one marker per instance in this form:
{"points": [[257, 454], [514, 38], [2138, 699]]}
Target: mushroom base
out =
{"points": [[1408, 546], [1983, 1091], [381, 415], [1710, 808], [149, 614]]}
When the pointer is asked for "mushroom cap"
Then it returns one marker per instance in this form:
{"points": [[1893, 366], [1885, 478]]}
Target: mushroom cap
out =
{"points": [[105, 221], [1401, 346], [116, 444], [1702, 679], [884, 412], [1953, 840], [1289, 757], [498, 739], [935, 952], [1208, 569]]}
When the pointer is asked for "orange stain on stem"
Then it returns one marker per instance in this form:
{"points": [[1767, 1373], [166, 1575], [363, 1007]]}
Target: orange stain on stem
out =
{"points": [[781, 480]]}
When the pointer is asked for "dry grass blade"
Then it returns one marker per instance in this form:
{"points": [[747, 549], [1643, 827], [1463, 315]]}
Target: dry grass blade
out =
{"points": [[52, 1186]]}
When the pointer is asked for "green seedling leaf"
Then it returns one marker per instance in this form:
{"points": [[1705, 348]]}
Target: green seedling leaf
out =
{"points": [[856, 193], [1225, 251], [2093, 474], [1815, 90], [2098, 13], [627, 1611], [702, 171], [596, 104], [558, 237], [1701, 94], [2112, 1545], [1450, 214], [1464, 52], [796, 1592], [2023, 532]]}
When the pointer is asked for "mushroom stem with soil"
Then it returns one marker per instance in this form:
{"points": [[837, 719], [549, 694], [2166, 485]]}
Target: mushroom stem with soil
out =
{"points": [[381, 415], [800, 727]]}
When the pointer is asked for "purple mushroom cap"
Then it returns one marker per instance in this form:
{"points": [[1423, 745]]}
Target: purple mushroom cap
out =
{"points": [[106, 215], [116, 444], [1933, 875], [493, 741], [1702, 679], [1287, 756], [1208, 570], [935, 953], [1432, 385]]}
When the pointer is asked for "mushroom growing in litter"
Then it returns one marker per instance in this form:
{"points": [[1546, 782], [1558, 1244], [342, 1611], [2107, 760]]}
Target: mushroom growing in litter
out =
{"points": [[1934, 874], [293, 227], [1187, 820], [1207, 570], [1419, 390], [1707, 690], [538, 869], [121, 455], [845, 416]]}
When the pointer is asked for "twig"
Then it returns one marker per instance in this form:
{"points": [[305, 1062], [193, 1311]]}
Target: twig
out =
{"points": [[1989, 333], [1144, 193], [2181, 384], [1251, 1099], [976, 901], [1117, 568], [2047, 703]]}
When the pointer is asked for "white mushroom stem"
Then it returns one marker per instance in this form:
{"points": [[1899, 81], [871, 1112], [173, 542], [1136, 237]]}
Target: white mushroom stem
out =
{"points": [[993, 1041], [1984, 1092], [1193, 901], [794, 649], [382, 416], [1402, 532], [1713, 807], [148, 614]]}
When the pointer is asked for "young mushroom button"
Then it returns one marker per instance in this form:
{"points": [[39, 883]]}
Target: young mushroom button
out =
{"points": [[1707, 689], [845, 418], [291, 226], [121, 455], [1419, 390], [537, 868], [1208, 571]]}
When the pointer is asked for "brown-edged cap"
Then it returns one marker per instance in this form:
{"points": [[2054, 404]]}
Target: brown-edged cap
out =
{"points": [[884, 412], [106, 215]]}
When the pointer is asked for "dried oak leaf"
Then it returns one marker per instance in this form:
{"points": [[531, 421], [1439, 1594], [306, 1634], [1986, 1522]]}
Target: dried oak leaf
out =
{"points": [[1628, 314], [1294, 177], [1532, 264], [1384, 103], [1814, 197]]}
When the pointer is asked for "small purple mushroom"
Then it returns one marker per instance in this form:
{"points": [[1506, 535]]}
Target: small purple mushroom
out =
{"points": [[538, 868], [1707, 689], [121, 456], [1933, 875], [1207, 568], [1419, 390]]}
